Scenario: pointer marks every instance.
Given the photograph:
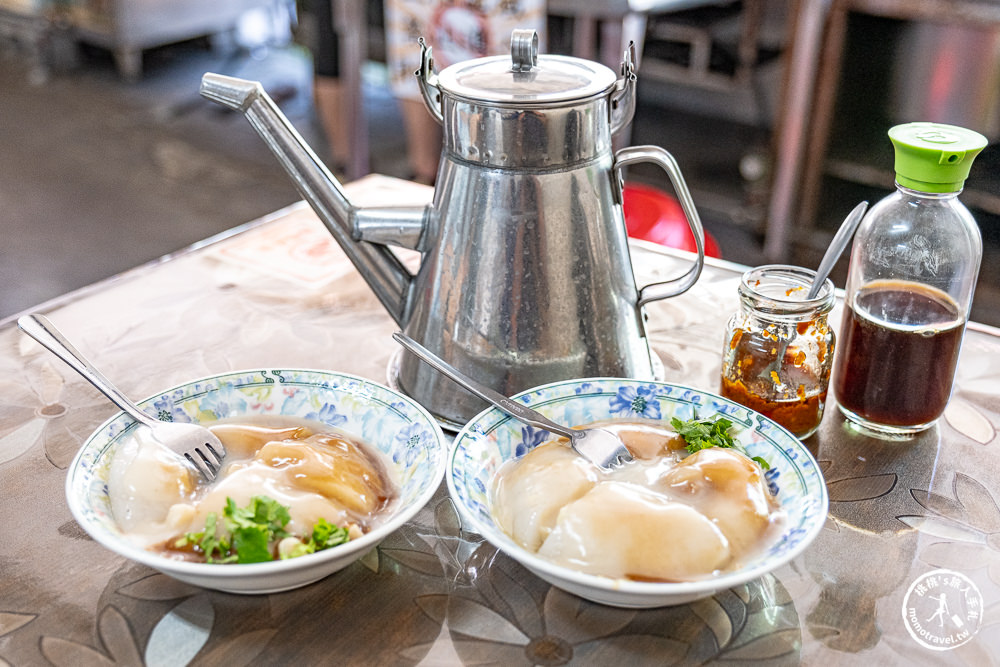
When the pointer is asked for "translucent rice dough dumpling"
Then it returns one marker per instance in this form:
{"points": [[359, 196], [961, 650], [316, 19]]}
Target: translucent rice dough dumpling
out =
{"points": [[156, 498], [318, 476], [726, 487], [528, 497], [146, 479], [336, 468], [623, 530], [665, 516]]}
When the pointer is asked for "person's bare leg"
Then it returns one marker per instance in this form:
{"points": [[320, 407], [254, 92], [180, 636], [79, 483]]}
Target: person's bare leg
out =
{"points": [[423, 140], [328, 95]]}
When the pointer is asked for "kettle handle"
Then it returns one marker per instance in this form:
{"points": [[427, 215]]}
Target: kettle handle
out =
{"points": [[666, 161]]}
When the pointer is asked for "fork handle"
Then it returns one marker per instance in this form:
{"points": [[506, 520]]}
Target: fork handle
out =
{"points": [[41, 329]]}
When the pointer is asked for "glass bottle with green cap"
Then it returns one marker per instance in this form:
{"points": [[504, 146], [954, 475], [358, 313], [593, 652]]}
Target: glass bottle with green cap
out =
{"points": [[913, 270]]}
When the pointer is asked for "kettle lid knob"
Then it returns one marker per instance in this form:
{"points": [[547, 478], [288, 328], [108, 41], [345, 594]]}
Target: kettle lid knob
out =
{"points": [[524, 49]]}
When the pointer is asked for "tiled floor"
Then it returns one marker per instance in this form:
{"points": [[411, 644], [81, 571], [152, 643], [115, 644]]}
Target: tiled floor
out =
{"points": [[97, 176]]}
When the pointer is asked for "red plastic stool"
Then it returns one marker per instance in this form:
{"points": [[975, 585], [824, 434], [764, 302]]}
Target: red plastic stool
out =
{"points": [[653, 215]]}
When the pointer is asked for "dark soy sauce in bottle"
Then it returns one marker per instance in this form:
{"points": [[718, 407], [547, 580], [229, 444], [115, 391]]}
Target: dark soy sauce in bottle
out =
{"points": [[909, 288], [905, 339]]}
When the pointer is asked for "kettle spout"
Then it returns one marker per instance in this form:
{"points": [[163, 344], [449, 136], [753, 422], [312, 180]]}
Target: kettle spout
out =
{"points": [[236, 94], [382, 269]]}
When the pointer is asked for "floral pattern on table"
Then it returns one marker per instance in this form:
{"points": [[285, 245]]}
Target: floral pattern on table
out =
{"points": [[498, 613], [967, 525], [144, 617], [494, 609], [41, 407], [973, 410]]}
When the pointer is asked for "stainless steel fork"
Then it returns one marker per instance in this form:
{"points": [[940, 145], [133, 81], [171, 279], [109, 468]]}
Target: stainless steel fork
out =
{"points": [[197, 444], [600, 446]]}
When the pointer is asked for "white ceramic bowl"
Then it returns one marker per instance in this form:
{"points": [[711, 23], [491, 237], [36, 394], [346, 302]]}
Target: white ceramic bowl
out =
{"points": [[492, 438], [393, 423]]}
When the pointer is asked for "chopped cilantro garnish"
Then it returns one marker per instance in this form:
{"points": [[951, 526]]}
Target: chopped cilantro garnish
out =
{"points": [[704, 433], [324, 535], [251, 544], [250, 533]]}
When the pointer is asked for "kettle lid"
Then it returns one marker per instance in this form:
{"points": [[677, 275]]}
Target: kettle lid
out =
{"points": [[525, 77]]}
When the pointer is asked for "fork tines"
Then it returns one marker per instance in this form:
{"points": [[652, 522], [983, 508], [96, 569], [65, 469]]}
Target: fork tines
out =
{"points": [[206, 459]]}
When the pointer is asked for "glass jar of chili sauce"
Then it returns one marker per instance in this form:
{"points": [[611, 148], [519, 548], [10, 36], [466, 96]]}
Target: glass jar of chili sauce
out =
{"points": [[778, 348], [910, 284]]}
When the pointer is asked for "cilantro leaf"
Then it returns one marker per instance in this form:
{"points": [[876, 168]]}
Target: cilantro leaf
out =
{"points": [[704, 433], [250, 533], [326, 535], [214, 547], [251, 544], [210, 542], [262, 511]]}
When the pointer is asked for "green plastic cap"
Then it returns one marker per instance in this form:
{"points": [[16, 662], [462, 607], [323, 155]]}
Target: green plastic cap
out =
{"points": [[933, 157]]}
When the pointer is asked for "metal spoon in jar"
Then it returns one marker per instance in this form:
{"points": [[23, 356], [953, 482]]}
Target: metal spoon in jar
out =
{"points": [[600, 446], [840, 241]]}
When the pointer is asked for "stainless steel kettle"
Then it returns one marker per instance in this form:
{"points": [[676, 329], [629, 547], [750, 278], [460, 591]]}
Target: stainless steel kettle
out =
{"points": [[525, 276]]}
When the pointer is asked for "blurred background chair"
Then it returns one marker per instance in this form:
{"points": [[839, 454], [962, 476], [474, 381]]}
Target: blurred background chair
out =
{"points": [[653, 215]]}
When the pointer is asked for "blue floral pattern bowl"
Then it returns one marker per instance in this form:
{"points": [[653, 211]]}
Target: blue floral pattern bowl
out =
{"points": [[492, 438], [396, 425]]}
